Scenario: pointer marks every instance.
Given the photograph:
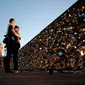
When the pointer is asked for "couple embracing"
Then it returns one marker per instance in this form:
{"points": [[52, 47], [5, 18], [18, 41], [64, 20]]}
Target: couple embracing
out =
{"points": [[12, 44]]}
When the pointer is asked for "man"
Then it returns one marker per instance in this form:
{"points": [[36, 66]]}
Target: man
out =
{"points": [[10, 45]]}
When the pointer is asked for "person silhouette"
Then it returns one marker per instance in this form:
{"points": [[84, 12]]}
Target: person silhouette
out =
{"points": [[11, 47]]}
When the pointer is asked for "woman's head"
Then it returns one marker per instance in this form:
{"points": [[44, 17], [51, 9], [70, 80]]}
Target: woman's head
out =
{"points": [[16, 28]]}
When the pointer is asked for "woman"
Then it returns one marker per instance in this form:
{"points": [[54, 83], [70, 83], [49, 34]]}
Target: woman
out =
{"points": [[16, 44], [17, 40]]}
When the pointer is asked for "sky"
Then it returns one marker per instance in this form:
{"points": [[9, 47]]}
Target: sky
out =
{"points": [[32, 16]]}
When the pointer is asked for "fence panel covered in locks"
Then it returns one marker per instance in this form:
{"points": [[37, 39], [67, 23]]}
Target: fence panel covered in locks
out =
{"points": [[61, 43]]}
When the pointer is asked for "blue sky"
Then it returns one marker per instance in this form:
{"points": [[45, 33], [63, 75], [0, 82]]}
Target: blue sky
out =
{"points": [[32, 16]]}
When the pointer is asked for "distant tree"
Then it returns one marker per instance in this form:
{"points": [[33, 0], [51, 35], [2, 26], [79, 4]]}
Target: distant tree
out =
{"points": [[1, 48]]}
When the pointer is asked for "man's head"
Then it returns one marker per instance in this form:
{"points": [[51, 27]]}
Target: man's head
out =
{"points": [[12, 21]]}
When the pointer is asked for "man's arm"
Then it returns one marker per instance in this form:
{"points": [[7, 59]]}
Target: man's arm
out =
{"points": [[13, 31]]}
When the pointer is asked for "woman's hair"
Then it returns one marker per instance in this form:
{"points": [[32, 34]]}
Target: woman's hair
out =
{"points": [[16, 26], [11, 20]]}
